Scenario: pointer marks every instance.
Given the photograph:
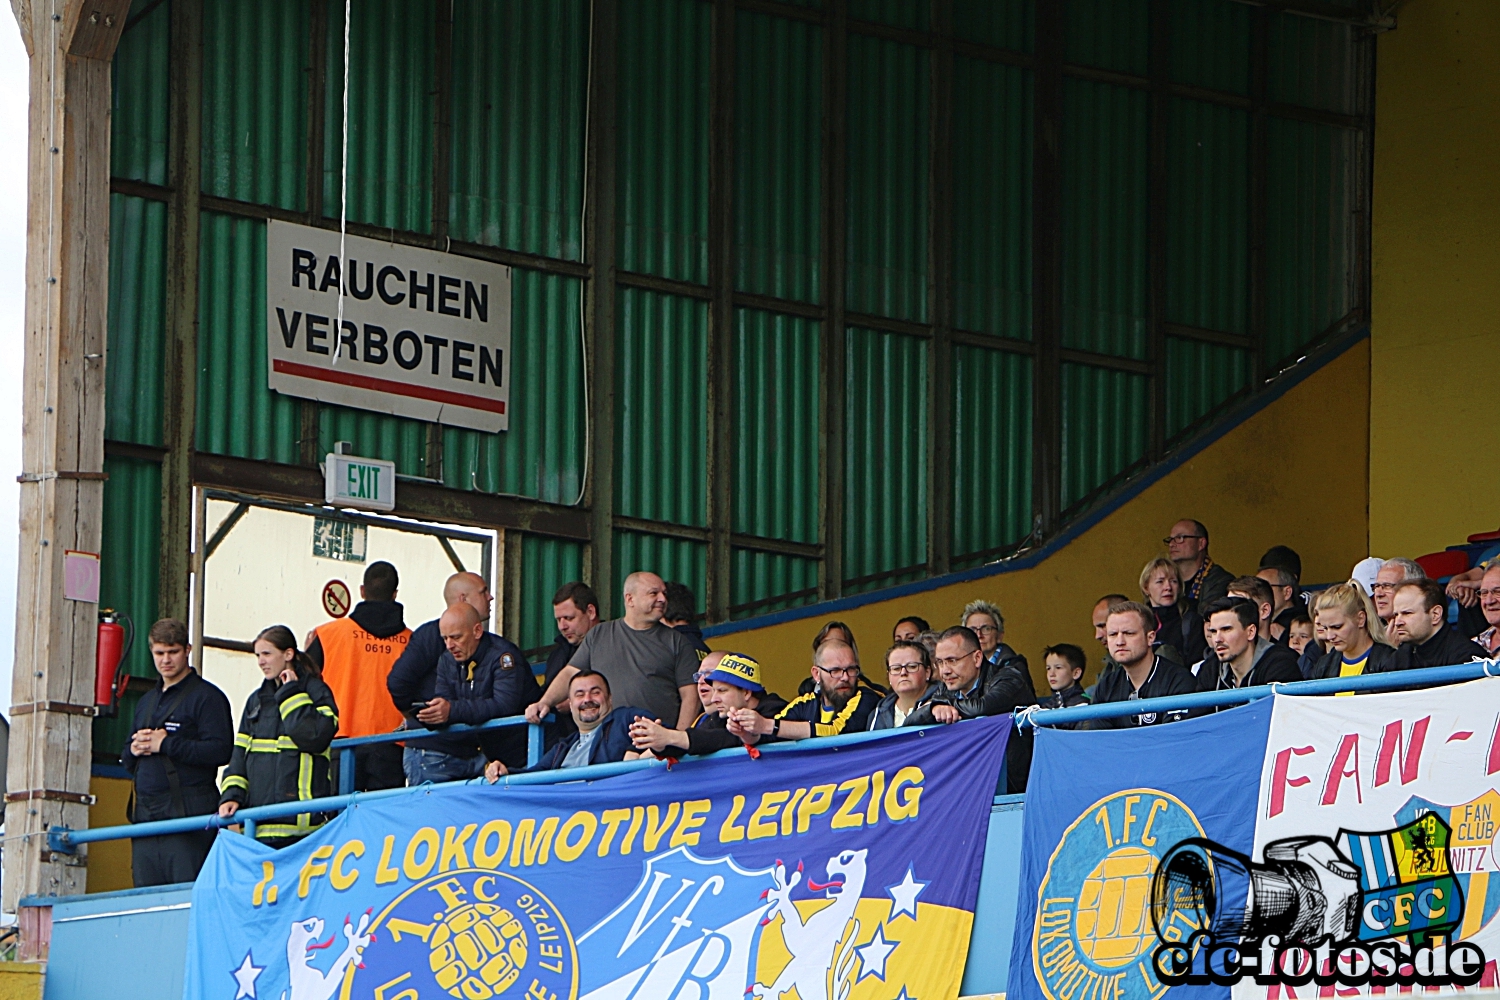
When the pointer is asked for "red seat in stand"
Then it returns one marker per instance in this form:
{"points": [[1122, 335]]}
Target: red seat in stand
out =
{"points": [[1441, 564], [1484, 536]]}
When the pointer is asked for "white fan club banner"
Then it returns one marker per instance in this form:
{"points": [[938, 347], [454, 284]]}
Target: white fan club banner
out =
{"points": [[425, 335], [1403, 785]]}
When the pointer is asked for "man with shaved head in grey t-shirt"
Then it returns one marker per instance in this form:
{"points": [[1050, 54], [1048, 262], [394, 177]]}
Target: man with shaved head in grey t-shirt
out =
{"points": [[646, 663]]}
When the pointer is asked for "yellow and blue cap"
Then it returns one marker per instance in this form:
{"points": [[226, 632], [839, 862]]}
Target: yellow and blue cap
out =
{"points": [[739, 670]]}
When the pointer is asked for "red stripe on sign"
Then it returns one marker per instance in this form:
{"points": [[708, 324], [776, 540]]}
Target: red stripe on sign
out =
{"points": [[321, 374]]}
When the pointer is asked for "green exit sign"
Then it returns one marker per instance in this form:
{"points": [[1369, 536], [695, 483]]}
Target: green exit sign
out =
{"points": [[350, 481]]}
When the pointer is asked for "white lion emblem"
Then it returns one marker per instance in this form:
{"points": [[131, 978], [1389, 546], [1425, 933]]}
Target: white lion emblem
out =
{"points": [[307, 982], [814, 943]]}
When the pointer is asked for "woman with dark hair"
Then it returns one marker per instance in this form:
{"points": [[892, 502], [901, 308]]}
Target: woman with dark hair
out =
{"points": [[281, 749], [909, 666], [836, 630]]}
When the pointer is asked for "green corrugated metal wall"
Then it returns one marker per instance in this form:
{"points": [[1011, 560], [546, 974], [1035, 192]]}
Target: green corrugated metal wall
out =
{"points": [[512, 177], [128, 568]]}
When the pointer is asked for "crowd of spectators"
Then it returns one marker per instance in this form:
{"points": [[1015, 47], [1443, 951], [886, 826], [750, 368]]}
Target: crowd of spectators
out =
{"points": [[647, 685]]}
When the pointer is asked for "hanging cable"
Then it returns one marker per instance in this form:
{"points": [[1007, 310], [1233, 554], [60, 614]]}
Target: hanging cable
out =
{"points": [[338, 337], [583, 214]]}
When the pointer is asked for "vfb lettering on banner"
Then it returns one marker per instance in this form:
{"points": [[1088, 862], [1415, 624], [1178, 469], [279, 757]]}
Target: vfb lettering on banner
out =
{"points": [[425, 335]]}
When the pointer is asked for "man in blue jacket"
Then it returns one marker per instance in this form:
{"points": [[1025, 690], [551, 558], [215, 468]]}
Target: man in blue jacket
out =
{"points": [[603, 735], [480, 677]]}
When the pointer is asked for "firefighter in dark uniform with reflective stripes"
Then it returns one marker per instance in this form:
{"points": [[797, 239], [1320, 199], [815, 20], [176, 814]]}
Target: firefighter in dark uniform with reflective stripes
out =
{"points": [[281, 749]]}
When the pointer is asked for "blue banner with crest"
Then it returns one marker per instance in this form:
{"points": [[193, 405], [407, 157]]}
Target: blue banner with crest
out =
{"points": [[844, 872]]}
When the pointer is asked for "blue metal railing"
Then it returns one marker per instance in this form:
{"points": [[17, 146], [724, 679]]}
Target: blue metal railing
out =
{"points": [[65, 840], [345, 747], [1393, 681]]}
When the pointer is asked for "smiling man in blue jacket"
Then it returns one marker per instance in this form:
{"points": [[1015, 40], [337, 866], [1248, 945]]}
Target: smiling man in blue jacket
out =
{"points": [[603, 735]]}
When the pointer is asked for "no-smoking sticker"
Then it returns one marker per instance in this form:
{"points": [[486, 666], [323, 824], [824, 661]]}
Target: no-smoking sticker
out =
{"points": [[336, 598]]}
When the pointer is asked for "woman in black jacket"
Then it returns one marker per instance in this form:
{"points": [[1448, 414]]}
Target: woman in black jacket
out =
{"points": [[1179, 629], [281, 748], [909, 667], [1351, 632]]}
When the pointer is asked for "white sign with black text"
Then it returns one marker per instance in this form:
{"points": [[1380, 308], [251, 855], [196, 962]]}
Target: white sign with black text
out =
{"points": [[426, 335]]}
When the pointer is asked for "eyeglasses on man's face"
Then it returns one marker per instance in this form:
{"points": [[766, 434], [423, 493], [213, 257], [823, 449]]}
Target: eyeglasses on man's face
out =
{"points": [[983, 629], [902, 669], [840, 671], [1176, 539], [953, 661], [1383, 586]]}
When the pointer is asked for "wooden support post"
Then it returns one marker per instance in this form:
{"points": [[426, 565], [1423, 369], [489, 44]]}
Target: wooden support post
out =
{"points": [[599, 303], [180, 379], [721, 312], [62, 492]]}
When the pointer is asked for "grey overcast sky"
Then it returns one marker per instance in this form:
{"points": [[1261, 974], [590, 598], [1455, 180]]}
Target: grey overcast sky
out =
{"points": [[13, 70]]}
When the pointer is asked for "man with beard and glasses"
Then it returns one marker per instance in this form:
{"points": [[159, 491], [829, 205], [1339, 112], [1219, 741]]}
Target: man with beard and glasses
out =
{"points": [[838, 703]]}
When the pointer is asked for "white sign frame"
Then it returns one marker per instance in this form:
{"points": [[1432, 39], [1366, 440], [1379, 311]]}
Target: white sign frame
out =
{"points": [[426, 335], [376, 478]]}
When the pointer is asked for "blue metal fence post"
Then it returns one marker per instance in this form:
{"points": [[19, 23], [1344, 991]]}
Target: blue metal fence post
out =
{"points": [[249, 828], [533, 743], [346, 771]]}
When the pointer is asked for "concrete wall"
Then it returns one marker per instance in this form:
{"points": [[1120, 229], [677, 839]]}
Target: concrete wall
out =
{"points": [[1291, 473], [1435, 314]]}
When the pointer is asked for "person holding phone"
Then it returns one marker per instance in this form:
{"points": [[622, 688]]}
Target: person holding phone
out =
{"points": [[281, 748]]}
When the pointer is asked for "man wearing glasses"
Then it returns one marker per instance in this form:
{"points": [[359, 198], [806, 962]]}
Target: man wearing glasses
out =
{"points": [[974, 687], [1203, 580], [838, 703], [1392, 574], [1489, 603], [988, 624]]}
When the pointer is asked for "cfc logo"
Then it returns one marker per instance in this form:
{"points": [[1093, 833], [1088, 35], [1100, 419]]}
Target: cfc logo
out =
{"points": [[1094, 936], [471, 934]]}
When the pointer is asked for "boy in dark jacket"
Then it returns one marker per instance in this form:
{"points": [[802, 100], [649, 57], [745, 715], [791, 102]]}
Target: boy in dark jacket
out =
{"points": [[603, 735], [736, 684], [1065, 665], [480, 677]]}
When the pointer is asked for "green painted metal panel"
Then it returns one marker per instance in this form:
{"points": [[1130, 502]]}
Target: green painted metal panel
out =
{"points": [[661, 429], [896, 13], [885, 470], [887, 186], [541, 455], [139, 106], [677, 560], [392, 105], [775, 425], [778, 157], [128, 566], [237, 413], [519, 72], [1207, 216], [1006, 24], [1313, 63], [255, 77], [662, 139], [1310, 279], [546, 564], [1104, 218], [133, 362], [1105, 423], [376, 435], [762, 582], [1210, 45], [1200, 379], [992, 117], [991, 450], [1110, 34]]}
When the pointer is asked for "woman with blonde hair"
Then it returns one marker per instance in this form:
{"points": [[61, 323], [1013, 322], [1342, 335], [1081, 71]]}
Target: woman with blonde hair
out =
{"points": [[1179, 627], [1352, 634]]}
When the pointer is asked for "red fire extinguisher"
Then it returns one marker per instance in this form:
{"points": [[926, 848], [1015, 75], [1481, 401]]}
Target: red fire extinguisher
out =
{"points": [[114, 644]]}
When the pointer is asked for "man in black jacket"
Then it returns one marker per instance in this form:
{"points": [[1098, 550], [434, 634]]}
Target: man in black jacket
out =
{"points": [[1242, 656], [682, 616], [575, 608], [481, 676], [1142, 674], [182, 734], [603, 735], [974, 687], [737, 686], [1203, 580], [1419, 619]]}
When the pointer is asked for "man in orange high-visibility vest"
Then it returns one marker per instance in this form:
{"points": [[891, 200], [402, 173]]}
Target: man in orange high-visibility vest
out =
{"points": [[356, 653]]}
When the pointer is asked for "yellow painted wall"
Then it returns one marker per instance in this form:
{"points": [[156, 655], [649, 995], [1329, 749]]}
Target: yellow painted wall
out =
{"points": [[109, 860], [22, 980], [1435, 310], [1270, 480]]}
